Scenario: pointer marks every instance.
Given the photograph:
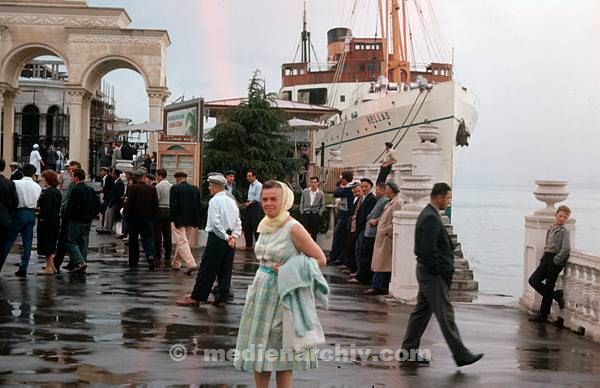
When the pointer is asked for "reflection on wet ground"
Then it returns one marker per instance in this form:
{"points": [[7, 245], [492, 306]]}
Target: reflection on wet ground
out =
{"points": [[117, 326]]}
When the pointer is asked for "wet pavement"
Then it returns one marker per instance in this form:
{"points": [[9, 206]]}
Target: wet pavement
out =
{"points": [[117, 326]]}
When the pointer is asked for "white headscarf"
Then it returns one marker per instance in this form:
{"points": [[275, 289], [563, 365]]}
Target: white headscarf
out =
{"points": [[270, 225]]}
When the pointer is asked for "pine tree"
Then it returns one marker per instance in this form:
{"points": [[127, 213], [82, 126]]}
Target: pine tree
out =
{"points": [[251, 138]]}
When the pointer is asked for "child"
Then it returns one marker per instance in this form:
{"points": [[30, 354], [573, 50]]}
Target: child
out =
{"points": [[556, 253]]}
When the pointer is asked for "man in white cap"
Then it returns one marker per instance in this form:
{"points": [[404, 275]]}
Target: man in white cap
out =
{"points": [[224, 227], [35, 159]]}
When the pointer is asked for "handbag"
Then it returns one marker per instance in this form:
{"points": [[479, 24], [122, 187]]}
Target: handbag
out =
{"points": [[311, 338]]}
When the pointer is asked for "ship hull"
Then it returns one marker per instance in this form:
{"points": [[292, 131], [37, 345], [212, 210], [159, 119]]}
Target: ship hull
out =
{"points": [[362, 129]]}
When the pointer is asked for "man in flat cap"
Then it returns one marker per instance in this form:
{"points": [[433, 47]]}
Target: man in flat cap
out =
{"points": [[381, 264], [224, 227], [141, 209], [184, 200], [389, 158], [230, 185]]}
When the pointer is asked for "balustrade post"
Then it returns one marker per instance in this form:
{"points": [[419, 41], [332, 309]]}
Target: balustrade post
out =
{"points": [[536, 225]]}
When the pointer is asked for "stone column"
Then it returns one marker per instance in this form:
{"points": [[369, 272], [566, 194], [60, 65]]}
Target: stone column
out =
{"points": [[404, 285], [86, 105], [427, 156], [536, 225], [75, 125], [8, 126], [156, 103]]}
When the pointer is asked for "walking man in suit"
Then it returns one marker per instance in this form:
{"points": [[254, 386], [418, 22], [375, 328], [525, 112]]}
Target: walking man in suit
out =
{"points": [[312, 207], [141, 209], [435, 268]]}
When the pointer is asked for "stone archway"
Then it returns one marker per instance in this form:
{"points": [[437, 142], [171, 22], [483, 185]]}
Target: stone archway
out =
{"points": [[92, 42]]}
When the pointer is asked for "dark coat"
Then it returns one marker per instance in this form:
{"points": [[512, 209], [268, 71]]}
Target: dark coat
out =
{"points": [[8, 200], [116, 194], [433, 246], [17, 175], [185, 205], [83, 204], [109, 183], [48, 221], [367, 205], [142, 201]]}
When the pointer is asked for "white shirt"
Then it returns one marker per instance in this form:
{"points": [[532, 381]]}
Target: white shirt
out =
{"points": [[28, 192], [163, 189], [254, 191], [35, 158], [223, 214], [313, 195]]}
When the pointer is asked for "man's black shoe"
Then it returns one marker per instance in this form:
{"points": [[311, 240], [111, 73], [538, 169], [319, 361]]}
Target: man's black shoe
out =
{"points": [[539, 318], [68, 266], [79, 268], [20, 273], [151, 263], [419, 360], [471, 359]]}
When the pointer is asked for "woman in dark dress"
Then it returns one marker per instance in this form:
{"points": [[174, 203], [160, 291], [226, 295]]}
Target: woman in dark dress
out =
{"points": [[48, 220]]}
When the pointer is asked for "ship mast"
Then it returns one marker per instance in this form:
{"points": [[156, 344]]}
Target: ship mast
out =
{"points": [[384, 38], [399, 66], [305, 39]]}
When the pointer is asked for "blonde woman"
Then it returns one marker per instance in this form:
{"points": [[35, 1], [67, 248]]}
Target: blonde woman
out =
{"points": [[260, 333]]}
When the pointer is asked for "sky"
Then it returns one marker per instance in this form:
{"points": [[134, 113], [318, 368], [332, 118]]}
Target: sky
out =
{"points": [[533, 64]]}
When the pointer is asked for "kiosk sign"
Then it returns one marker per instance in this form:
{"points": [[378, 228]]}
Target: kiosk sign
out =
{"points": [[183, 122]]}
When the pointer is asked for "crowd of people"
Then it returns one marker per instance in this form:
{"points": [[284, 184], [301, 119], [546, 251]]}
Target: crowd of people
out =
{"points": [[150, 208]]}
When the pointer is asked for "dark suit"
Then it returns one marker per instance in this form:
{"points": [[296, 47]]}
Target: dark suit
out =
{"points": [[338, 244], [312, 214], [363, 266], [8, 204], [107, 186], [435, 267], [185, 205], [16, 175], [141, 210], [82, 207]]}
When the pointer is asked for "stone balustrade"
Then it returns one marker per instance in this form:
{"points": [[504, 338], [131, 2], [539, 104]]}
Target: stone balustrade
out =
{"points": [[581, 283], [580, 279]]}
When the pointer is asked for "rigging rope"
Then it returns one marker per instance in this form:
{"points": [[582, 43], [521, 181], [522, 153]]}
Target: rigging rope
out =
{"points": [[413, 120], [403, 123]]}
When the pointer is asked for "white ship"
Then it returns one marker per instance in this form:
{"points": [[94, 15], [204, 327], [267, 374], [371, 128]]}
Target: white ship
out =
{"points": [[381, 96]]}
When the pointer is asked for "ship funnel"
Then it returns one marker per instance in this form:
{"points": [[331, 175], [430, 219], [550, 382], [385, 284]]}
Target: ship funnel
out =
{"points": [[335, 42]]}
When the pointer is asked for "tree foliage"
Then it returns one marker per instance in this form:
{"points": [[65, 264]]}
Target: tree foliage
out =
{"points": [[251, 137]]}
